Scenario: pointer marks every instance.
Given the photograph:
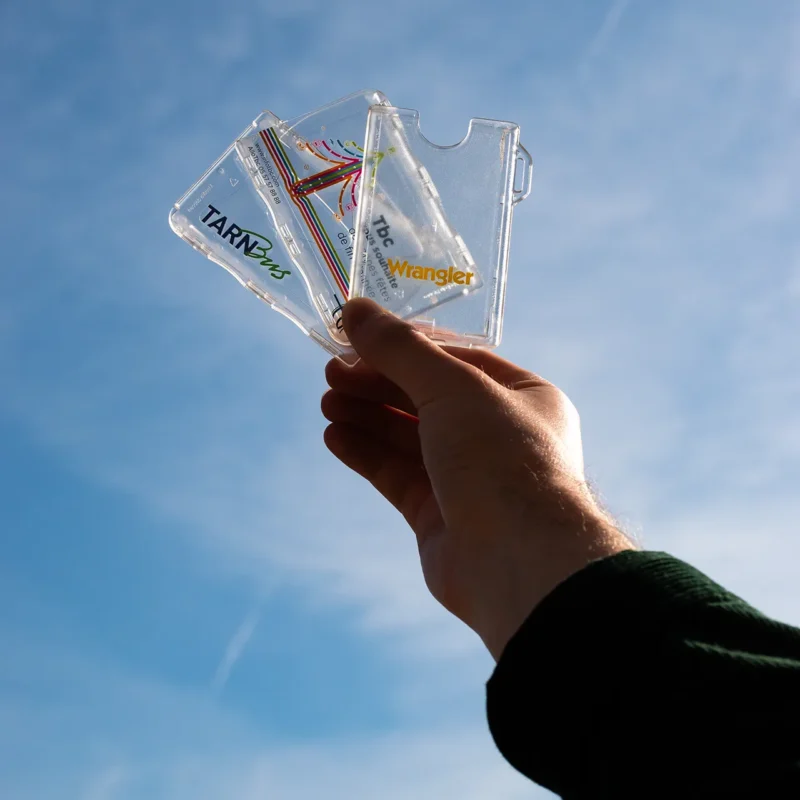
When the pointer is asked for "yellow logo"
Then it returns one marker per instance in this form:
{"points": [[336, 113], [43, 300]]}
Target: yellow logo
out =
{"points": [[440, 277]]}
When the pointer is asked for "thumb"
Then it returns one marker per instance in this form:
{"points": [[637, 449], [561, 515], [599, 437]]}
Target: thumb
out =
{"points": [[420, 368]]}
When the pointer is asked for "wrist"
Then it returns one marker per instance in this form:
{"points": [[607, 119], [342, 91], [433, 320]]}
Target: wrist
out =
{"points": [[539, 560]]}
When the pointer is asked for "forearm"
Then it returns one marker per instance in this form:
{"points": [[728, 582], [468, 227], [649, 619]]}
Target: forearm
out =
{"points": [[639, 677]]}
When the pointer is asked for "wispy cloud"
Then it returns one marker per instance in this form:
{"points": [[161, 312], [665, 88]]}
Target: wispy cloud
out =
{"points": [[152, 740], [235, 648], [108, 784], [607, 29]]}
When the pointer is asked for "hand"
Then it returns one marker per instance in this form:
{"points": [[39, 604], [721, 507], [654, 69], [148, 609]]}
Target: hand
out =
{"points": [[483, 459]]}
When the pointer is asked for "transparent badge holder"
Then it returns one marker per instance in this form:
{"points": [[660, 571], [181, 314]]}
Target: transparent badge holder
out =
{"points": [[456, 205], [223, 217], [407, 257], [308, 173]]}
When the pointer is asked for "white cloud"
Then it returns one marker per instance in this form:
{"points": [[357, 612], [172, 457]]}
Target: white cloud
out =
{"points": [[440, 765], [235, 648], [147, 739], [607, 28], [107, 784]]}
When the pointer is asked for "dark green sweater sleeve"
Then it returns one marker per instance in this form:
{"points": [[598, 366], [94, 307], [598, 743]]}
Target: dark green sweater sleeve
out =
{"points": [[639, 677]]}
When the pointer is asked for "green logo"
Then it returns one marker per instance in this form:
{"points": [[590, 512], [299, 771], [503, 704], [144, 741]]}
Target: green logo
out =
{"points": [[249, 241], [260, 252]]}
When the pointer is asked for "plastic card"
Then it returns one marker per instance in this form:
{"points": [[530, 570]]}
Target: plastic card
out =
{"points": [[455, 205], [223, 217], [308, 172]]}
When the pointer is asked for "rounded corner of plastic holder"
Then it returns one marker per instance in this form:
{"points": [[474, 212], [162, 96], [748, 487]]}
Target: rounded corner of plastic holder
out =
{"points": [[173, 219], [376, 94], [349, 358]]}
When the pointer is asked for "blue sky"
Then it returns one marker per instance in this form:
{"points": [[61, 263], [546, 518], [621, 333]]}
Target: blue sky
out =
{"points": [[196, 600]]}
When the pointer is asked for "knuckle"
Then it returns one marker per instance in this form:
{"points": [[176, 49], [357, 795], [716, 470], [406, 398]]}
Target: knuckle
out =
{"points": [[569, 409]]}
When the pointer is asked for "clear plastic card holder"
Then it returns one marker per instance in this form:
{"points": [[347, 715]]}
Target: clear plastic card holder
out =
{"points": [[459, 202], [223, 217], [308, 172], [411, 260]]}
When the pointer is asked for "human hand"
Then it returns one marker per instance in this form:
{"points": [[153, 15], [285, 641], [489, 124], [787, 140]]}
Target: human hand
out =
{"points": [[483, 459]]}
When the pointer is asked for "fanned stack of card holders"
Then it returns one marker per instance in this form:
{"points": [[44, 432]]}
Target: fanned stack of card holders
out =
{"points": [[351, 200]]}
